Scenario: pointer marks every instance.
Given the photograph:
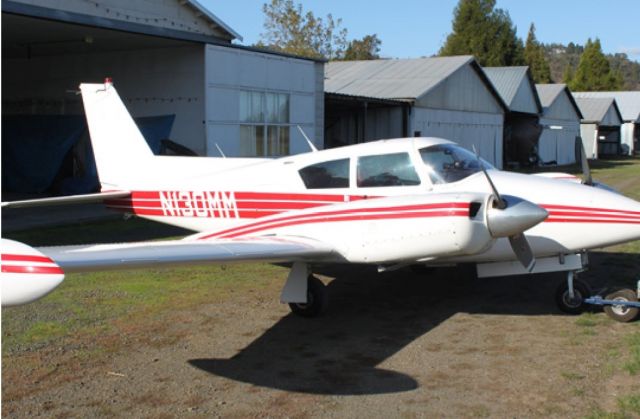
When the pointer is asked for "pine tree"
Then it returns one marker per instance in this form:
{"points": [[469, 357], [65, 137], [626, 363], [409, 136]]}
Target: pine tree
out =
{"points": [[485, 32], [535, 59], [593, 72]]}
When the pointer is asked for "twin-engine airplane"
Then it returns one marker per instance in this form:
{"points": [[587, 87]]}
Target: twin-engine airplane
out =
{"points": [[391, 203]]}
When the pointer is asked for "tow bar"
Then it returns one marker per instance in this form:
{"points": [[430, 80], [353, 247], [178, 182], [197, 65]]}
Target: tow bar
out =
{"points": [[621, 305]]}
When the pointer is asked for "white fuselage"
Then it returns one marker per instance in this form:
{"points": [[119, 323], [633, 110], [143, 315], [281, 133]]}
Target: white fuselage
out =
{"points": [[228, 198]]}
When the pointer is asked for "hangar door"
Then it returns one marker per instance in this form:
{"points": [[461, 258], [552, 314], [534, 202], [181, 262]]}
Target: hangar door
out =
{"points": [[482, 130]]}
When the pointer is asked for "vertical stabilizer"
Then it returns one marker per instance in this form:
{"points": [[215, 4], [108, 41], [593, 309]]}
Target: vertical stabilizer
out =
{"points": [[119, 148]]}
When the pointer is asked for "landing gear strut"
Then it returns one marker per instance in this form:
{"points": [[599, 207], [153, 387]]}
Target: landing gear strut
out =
{"points": [[570, 295]]}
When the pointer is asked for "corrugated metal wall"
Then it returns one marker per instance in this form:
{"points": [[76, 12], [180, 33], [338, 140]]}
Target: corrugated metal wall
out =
{"points": [[230, 71], [151, 82], [462, 91], [484, 130], [558, 144]]}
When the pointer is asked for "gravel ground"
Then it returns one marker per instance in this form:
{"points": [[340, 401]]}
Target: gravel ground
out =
{"points": [[391, 345]]}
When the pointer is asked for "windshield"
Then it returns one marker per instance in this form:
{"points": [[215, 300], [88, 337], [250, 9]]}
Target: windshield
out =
{"points": [[448, 163]]}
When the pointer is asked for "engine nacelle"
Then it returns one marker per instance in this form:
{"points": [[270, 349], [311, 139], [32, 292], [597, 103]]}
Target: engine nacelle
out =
{"points": [[27, 274]]}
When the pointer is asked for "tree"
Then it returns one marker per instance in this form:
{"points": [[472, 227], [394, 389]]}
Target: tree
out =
{"points": [[485, 32], [365, 49], [288, 29], [593, 72], [535, 59]]}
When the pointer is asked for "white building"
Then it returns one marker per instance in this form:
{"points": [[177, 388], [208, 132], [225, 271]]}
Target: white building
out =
{"points": [[170, 59], [448, 97], [629, 105], [600, 126], [521, 126], [560, 121]]}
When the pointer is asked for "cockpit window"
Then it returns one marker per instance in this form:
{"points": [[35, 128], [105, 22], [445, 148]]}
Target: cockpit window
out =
{"points": [[325, 175], [386, 170], [448, 163]]}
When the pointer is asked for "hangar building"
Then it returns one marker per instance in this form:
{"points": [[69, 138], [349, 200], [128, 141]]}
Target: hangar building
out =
{"points": [[173, 63], [600, 126], [521, 128], [629, 105], [560, 121], [448, 97]]}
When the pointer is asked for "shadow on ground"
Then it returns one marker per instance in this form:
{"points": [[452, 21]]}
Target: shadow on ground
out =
{"points": [[373, 316]]}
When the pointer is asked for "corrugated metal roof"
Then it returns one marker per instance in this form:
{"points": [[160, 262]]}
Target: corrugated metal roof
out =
{"points": [[506, 80], [595, 109], [628, 102], [548, 93], [390, 79]]}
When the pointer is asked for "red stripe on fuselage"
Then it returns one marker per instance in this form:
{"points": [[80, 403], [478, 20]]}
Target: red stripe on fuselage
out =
{"points": [[449, 209], [405, 215]]}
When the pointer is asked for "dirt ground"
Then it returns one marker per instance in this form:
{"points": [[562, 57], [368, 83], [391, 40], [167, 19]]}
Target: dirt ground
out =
{"points": [[391, 345]]}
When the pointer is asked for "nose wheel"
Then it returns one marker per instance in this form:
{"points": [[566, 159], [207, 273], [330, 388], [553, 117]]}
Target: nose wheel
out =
{"points": [[571, 295]]}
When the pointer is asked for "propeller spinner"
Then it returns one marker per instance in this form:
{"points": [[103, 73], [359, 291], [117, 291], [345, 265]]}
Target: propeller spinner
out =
{"points": [[510, 217]]}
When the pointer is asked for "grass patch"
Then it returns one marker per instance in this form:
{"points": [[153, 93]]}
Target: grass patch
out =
{"points": [[95, 303], [633, 364]]}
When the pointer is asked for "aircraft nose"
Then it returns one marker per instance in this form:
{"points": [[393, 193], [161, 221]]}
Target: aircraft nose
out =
{"points": [[519, 216]]}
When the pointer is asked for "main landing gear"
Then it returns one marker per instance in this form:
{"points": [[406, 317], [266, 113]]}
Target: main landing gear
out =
{"points": [[306, 295], [317, 299], [574, 296]]}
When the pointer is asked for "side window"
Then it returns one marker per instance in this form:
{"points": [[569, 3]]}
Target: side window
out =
{"points": [[386, 170], [329, 174]]}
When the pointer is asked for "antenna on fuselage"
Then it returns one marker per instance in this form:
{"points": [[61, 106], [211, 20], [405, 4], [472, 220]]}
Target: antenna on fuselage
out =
{"points": [[220, 150], [311, 146]]}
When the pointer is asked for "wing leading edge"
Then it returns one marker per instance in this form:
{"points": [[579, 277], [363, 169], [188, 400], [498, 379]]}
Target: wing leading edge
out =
{"points": [[177, 252]]}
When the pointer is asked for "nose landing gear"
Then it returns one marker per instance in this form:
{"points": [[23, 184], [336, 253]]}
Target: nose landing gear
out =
{"points": [[574, 296]]}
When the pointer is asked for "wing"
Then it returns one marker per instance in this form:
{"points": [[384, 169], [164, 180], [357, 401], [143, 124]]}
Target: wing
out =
{"points": [[66, 200], [29, 274], [177, 252]]}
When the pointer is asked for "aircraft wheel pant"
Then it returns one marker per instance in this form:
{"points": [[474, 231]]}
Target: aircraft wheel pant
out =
{"points": [[581, 290], [317, 299], [622, 313]]}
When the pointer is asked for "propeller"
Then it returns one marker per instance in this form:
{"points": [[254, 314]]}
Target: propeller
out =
{"points": [[510, 216]]}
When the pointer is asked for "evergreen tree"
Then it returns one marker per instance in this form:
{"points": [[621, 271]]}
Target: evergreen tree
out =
{"points": [[593, 72], [365, 49], [485, 32], [535, 59]]}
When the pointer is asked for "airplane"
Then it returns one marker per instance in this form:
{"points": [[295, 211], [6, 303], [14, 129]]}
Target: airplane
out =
{"points": [[390, 203]]}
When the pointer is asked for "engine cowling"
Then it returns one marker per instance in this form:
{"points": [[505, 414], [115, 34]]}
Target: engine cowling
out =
{"points": [[27, 274]]}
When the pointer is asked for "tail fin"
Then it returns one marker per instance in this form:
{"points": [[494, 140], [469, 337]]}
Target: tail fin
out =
{"points": [[119, 148]]}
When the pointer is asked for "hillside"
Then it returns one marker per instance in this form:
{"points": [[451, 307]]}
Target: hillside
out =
{"points": [[560, 56]]}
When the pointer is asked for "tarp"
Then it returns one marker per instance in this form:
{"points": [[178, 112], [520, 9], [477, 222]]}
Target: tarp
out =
{"points": [[43, 152]]}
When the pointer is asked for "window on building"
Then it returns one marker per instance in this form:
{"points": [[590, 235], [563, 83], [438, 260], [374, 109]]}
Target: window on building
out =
{"points": [[386, 170], [330, 174], [264, 124]]}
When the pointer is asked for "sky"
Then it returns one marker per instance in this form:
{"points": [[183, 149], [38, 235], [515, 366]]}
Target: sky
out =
{"points": [[418, 28]]}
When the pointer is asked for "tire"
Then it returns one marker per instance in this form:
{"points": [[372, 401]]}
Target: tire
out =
{"points": [[621, 313], [577, 305], [317, 299]]}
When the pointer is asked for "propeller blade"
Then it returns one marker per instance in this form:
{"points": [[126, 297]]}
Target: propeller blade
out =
{"points": [[586, 172], [523, 251], [500, 203]]}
